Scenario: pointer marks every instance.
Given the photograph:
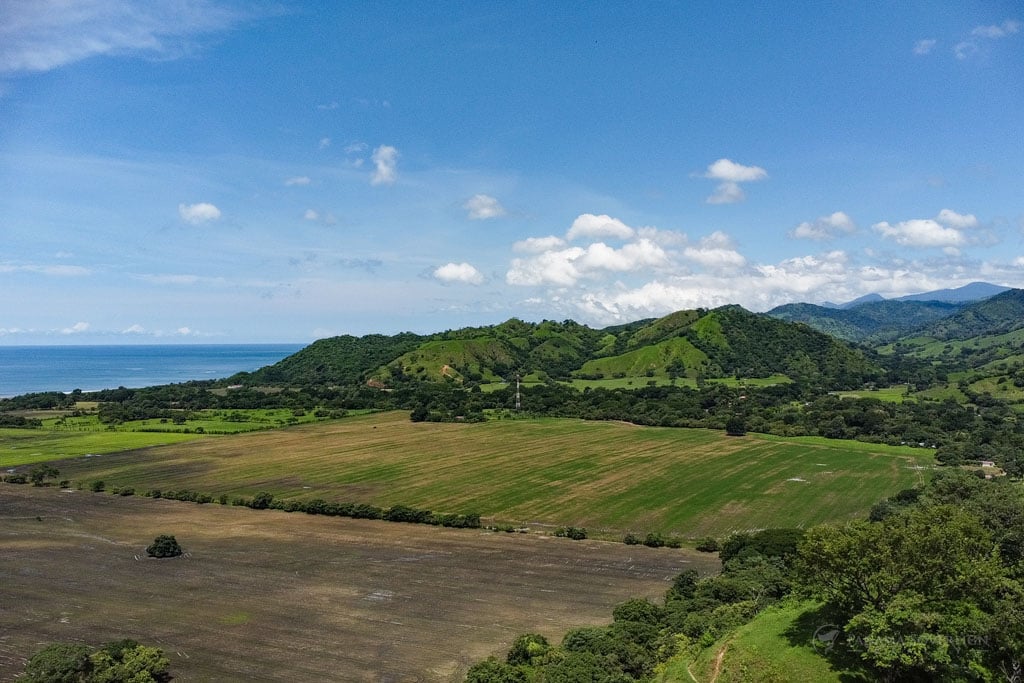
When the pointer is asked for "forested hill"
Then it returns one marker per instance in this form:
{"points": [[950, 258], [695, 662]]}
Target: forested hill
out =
{"points": [[878, 321], [999, 314], [699, 344]]}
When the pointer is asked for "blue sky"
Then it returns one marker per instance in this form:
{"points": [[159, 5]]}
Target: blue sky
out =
{"points": [[219, 171]]}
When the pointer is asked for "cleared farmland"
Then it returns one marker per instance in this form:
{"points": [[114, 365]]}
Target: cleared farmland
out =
{"points": [[608, 477], [272, 596]]}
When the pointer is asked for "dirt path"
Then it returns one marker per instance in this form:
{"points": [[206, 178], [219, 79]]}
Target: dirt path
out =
{"points": [[718, 661]]}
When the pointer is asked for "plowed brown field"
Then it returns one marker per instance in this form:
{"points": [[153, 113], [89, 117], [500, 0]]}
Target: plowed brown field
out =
{"points": [[271, 596]]}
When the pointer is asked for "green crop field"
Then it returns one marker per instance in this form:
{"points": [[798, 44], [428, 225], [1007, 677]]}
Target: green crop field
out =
{"points": [[608, 477], [27, 446]]}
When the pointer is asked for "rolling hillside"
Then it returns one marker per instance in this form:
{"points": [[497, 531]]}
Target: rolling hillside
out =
{"points": [[725, 342]]}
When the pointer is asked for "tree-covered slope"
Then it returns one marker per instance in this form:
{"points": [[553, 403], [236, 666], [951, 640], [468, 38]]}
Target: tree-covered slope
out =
{"points": [[999, 314], [334, 360], [723, 342], [873, 321]]}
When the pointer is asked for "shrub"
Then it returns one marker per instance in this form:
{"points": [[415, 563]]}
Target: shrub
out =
{"points": [[708, 545], [631, 539], [127, 491], [58, 662], [653, 540], [164, 546], [572, 532], [262, 500], [526, 647], [97, 486], [16, 479]]}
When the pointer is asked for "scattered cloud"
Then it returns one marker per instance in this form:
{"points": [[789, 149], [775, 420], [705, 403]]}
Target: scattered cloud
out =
{"points": [[315, 216], [825, 227], [459, 272], [536, 245], [327, 107], [184, 331], [730, 171], [920, 232], [565, 267], [923, 47], [589, 225], [972, 46], [134, 329], [356, 148], [55, 270], [385, 161], [731, 175], [77, 328], [297, 180], [946, 230], [481, 207], [952, 219], [716, 251], [41, 35], [325, 143], [1007, 28], [196, 214], [727, 193]]}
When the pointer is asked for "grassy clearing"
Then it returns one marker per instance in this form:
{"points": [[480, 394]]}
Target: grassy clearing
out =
{"points": [[657, 380], [777, 646], [269, 596], [893, 394], [28, 446], [608, 477]]}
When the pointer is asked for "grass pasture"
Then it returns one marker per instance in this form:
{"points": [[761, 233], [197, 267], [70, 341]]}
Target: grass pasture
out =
{"points": [[608, 477], [28, 446], [271, 596], [779, 645]]}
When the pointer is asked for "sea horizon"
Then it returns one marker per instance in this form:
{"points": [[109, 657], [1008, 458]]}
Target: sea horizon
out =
{"points": [[34, 368]]}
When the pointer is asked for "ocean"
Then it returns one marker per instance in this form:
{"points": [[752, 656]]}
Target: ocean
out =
{"points": [[25, 369]]}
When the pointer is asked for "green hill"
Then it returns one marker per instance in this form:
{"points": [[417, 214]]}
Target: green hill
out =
{"points": [[999, 314], [723, 342], [872, 321]]}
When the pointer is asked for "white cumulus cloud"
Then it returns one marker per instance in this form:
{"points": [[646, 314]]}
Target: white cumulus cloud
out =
{"points": [[952, 219], [729, 171], [482, 207], [589, 225], [459, 272], [297, 180], [920, 232], [825, 227], [385, 162], [731, 174], [946, 231], [716, 251], [195, 214]]}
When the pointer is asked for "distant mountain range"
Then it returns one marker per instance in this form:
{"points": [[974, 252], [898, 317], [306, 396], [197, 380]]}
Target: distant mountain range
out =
{"points": [[974, 291], [874, 319]]}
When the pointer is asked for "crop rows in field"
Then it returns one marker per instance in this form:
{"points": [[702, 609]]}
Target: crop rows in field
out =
{"points": [[607, 477]]}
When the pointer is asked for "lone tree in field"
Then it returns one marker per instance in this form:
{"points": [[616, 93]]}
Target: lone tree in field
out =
{"points": [[41, 473], [164, 546]]}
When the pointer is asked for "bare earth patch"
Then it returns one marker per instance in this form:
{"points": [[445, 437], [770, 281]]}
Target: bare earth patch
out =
{"points": [[275, 596]]}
